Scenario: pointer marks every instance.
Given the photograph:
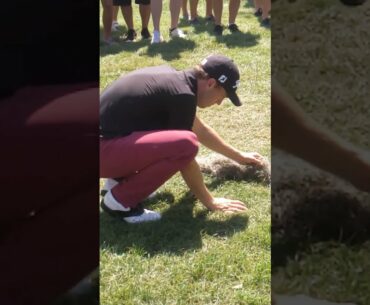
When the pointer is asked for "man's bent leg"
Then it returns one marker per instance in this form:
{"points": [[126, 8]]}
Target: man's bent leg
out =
{"points": [[145, 160]]}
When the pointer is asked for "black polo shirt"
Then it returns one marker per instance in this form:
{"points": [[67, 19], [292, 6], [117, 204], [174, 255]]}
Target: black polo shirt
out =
{"points": [[153, 98]]}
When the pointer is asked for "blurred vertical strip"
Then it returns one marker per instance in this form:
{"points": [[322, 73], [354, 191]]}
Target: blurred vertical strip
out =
{"points": [[320, 177], [49, 126]]}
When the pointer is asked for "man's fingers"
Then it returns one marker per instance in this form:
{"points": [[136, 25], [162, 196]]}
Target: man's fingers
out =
{"points": [[235, 207], [230, 210], [257, 155], [235, 203], [257, 160], [239, 206], [230, 205]]}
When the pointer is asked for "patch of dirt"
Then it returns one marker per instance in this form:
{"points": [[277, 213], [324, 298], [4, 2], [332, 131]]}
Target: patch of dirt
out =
{"points": [[223, 168], [309, 206]]}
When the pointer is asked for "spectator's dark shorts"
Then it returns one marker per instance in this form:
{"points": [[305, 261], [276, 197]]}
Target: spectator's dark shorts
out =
{"points": [[128, 2]]}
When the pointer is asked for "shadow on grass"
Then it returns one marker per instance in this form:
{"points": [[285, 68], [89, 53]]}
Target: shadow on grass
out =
{"points": [[169, 50], [172, 48], [232, 40], [119, 45], [249, 4], [216, 182], [239, 40], [178, 230]]}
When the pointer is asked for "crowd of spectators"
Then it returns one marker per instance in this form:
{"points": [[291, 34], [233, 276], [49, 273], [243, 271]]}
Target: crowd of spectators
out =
{"points": [[147, 8]]}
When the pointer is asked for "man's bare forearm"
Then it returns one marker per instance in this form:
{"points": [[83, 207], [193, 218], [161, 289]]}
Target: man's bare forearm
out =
{"points": [[194, 179], [209, 138], [298, 134]]}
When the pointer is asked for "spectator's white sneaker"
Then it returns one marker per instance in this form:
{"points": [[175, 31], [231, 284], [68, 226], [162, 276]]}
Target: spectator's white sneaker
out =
{"points": [[177, 33], [131, 215], [115, 26], [157, 38]]}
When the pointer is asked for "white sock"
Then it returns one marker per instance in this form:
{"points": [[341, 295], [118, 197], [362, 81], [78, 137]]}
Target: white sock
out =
{"points": [[109, 184], [156, 34], [113, 204]]}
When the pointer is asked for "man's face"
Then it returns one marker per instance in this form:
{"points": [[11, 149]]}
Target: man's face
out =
{"points": [[210, 93]]}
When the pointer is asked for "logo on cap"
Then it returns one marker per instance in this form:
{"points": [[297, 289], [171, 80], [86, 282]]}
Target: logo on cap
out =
{"points": [[222, 79]]}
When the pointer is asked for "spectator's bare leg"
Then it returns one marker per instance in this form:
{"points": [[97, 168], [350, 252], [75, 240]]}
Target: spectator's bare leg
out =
{"points": [[115, 13], [185, 12], [107, 19], [193, 9], [266, 8], [209, 8], [156, 8], [145, 15], [233, 10], [175, 7], [258, 4], [127, 15], [217, 8]]}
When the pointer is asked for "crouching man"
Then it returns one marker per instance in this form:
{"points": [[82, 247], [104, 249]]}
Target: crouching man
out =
{"points": [[149, 131]]}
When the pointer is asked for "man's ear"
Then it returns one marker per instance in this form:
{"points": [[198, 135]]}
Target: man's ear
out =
{"points": [[212, 83]]}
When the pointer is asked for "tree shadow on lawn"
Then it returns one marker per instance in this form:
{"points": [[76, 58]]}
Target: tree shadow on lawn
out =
{"points": [[177, 232]]}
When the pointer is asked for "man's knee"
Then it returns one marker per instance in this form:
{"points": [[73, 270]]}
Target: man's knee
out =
{"points": [[189, 144]]}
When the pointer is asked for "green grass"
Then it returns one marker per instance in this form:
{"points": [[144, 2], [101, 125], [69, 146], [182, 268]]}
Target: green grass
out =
{"points": [[193, 256], [330, 271]]}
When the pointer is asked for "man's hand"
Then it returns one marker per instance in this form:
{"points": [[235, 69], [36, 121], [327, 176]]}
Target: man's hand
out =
{"points": [[251, 158], [228, 206]]}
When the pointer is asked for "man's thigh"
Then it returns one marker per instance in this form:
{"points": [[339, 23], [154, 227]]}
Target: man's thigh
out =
{"points": [[124, 156]]}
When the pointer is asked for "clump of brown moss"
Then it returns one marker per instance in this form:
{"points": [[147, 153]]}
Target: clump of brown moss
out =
{"points": [[223, 168]]}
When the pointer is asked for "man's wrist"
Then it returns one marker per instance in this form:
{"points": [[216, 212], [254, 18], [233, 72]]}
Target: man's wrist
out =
{"points": [[238, 157], [209, 204]]}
